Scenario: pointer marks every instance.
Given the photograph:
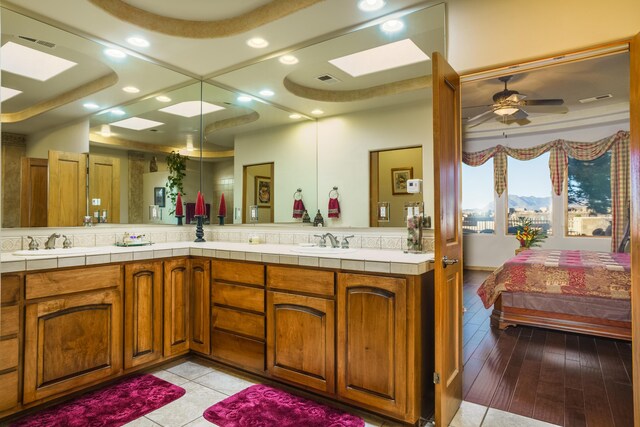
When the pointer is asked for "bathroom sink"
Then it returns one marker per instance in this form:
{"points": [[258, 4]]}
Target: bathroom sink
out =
{"points": [[317, 250], [56, 252]]}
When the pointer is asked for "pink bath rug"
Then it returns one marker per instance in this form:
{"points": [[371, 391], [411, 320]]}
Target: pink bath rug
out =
{"points": [[112, 406], [264, 406]]}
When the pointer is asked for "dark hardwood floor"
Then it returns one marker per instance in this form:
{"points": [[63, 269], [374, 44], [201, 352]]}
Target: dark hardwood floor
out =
{"points": [[561, 378]]}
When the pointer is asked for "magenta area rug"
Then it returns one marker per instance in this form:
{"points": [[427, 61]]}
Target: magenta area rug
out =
{"points": [[264, 406], [112, 406]]}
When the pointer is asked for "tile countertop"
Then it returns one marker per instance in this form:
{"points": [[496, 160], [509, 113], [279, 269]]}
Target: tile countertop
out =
{"points": [[367, 260]]}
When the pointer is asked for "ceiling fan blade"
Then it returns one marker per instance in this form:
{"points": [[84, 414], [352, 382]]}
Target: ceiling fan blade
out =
{"points": [[543, 102], [519, 115], [479, 116]]}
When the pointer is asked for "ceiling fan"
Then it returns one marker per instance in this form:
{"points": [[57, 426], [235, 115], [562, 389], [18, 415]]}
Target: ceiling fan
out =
{"points": [[507, 105]]}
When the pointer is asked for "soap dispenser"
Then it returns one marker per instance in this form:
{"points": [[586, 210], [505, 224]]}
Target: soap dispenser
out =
{"points": [[318, 221]]}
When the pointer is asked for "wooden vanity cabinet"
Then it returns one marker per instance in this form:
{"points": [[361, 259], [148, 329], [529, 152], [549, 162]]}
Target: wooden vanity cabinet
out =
{"points": [[238, 320], [200, 305], [10, 340], [301, 327], [73, 329], [142, 313], [176, 306]]}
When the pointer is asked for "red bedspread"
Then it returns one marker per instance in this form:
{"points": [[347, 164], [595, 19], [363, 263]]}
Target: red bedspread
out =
{"points": [[596, 274]]}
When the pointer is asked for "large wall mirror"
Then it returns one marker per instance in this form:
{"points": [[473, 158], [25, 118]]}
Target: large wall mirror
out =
{"points": [[306, 112]]}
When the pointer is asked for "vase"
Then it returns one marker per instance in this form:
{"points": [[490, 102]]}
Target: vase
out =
{"points": [[180, 219], [220, 219], [520, 249], [199, 230]]}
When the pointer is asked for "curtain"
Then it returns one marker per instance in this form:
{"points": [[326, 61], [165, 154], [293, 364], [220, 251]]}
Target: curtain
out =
{"points": [[560, 151]]}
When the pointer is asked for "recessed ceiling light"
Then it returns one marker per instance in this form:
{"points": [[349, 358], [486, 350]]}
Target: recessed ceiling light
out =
{"points": [[191, 108], [288, 59], [115, 53], [136, 123], [295, 116], [91, 106], [138, 42], [163, 98], [32, 63], [117, 112], [266, 92], [392, 26], [131, 89], [370, 5], [8, 93], [244, 98], [381, 58], [317, 112], [257, 42]]}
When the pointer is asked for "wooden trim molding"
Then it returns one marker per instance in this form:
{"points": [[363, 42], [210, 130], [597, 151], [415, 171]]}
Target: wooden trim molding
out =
{"points": [[62, 99], [239, 24], [386, 89]]}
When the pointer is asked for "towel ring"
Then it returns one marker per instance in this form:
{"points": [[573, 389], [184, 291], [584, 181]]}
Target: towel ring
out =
{"points": [[298, 194], [333, 191]]}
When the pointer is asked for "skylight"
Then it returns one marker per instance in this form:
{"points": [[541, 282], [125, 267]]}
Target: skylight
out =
{"points": [[136, 123], [8, 93], [27, 62], [191, 108], [381, 58]]}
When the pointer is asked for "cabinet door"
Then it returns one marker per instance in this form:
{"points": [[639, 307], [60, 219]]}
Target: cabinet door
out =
{"points": [[90, 328], [176, 306], [200, 305], [300, 340], [372, 341], [142, 313]]}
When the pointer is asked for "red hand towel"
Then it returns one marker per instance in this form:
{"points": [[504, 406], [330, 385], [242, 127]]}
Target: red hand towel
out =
{"points": [[179, 211], [298, 208], [334, 208]]}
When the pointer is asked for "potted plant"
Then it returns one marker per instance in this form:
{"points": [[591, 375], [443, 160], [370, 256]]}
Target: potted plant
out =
{"points": [[177, 165], [528, 235]]}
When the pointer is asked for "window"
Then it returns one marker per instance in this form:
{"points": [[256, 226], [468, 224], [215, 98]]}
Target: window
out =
{"points": [[589, 197], [478, 200], [529, 192]]}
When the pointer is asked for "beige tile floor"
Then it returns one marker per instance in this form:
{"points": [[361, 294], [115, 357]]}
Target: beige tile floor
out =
{"points": [[206, 385]]}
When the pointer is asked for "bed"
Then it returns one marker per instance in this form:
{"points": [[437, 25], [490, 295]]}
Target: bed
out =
{"points": [[576, 291]]}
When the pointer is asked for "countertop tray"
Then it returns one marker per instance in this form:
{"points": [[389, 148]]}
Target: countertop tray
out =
{"points": [[133, 244]]}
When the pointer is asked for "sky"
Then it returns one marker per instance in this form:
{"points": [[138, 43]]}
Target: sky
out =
{"points": [[525, 178]]}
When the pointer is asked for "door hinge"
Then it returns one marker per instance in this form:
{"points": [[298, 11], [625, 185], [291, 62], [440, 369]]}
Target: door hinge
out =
{"points": [[436, 378]]}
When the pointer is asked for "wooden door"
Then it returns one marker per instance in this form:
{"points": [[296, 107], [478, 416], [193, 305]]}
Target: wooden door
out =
{"points": [[90, 327], [33, 192], [142, 313], [176, 306], [635, 220], [447, 154], [104, 184], [300, 340], [200, 305], [67, 189], [372, 341]]}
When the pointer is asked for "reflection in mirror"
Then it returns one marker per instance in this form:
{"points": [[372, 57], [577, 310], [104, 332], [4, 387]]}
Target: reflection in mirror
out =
{"points": [[390, 170], [45, 122], [258, 191], [358, 110]]}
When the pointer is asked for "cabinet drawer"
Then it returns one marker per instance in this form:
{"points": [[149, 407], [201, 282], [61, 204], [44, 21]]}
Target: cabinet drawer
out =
{"points": [[8, 390], [8, 354], [238, 351], [10, 288], [56, 283], [8, 320], [238, 296], [238, 272], [249, 324], [302, 280]]}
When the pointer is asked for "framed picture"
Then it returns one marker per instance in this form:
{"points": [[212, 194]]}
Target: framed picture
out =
{"points": [[263, 191], [399, 178], [159, 196]]}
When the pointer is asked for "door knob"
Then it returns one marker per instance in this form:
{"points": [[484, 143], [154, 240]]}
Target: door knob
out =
{"points": [[446, 261]]}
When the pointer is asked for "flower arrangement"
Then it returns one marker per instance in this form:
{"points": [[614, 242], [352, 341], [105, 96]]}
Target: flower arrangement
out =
{"points": [[528, 235]]}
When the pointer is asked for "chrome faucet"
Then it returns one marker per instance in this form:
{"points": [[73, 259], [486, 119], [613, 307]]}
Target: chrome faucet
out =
{"points": [[51, 241], [333, 239]]}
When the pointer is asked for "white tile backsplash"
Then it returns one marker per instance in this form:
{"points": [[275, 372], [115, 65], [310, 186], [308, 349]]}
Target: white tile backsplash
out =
{"points": [[11, 244]]}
